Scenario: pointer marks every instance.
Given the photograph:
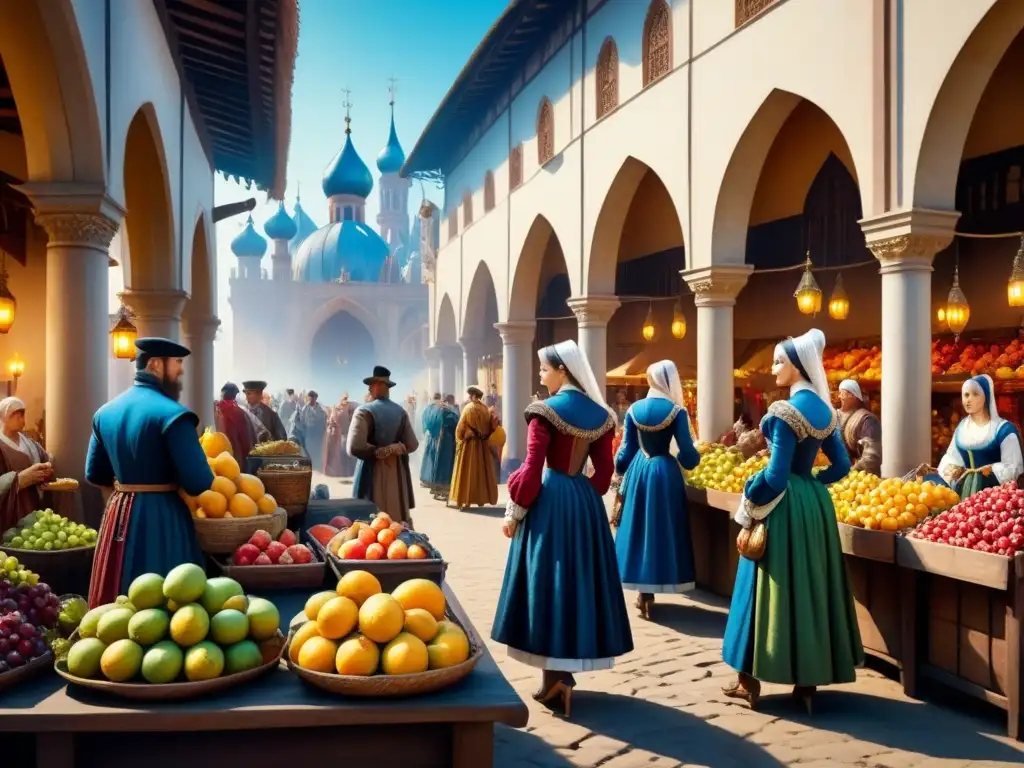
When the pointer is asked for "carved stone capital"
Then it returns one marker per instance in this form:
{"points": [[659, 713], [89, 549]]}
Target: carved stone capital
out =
{"points": [[909, 239], [593, 311], [155, 305], [516, 332], [78, 229], [75, 214], [201, 328], [472, 346], [717, 286]]}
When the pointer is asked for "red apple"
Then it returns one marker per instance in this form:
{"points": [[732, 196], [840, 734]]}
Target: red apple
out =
{"points": [[246, 554], [275, 550], [262, 560], [323, 533], [285, 559], [288, 537], [341, 522], [352, 550], [261, 539], [300, 554]]}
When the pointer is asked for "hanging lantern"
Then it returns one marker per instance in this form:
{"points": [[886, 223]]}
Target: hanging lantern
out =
{"points": [[808, 294], [958, 311], [839, 303], [1015, 286], [940, 315], [648, 330], [123, 335], [678, 320], [8, 304], [16, 366]]}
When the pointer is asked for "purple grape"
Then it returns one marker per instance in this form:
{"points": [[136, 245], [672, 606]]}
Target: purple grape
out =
{"points": [[27, 630], [14, 659], [39, 647], [3, 667]]}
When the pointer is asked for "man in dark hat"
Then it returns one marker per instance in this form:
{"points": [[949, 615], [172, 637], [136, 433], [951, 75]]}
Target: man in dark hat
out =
{"points": [[143, 452], [243, 429], [268, 418], [474, 480], [381, 438], [308, 429]]}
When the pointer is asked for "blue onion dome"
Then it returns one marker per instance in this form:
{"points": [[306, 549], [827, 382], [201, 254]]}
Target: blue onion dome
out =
{"points": [[249, 242], [280, 226], [347, 174], [392, 157], [344, 246], [304, 225]]}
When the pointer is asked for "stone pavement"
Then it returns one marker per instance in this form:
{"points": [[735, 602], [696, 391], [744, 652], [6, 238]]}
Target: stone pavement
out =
{"points": [[661, 706]]}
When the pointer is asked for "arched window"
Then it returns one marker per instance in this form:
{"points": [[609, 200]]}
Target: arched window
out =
{"points": [[515, 167], [488, 191], [657, 48], [607, 78], [348, 213], [467, 209], [545, 132], [453, 224]]}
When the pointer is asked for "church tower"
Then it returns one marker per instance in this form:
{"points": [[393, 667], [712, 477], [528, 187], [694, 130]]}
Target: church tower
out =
{"points": [[393, 219]]}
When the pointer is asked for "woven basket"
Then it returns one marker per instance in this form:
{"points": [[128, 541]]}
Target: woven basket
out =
{"points": [[175, 691], [289, 487], [257, 578], [394, 686], [63, 570], [34, 667], [221, 536]]}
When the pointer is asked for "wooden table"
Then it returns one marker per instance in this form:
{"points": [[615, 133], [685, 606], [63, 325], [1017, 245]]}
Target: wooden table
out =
{"points": [[277, 721]]}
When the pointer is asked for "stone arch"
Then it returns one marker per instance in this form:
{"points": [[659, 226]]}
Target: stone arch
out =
{"points": [[657, 42], [329, 309], [44, 56], [611, 223], [954, 108], [150, 214], [739, 183], [488, 191], [446, 332], [481, 304], [540, 240], [202, 301], [607, 80], [342, 352], [545, 132]]}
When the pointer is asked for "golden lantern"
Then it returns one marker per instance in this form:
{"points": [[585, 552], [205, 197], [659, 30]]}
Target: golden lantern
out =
{"points": [[940, 315], [123, 335], [648, 330], [8, 304], [839, 302], [808, 294], [678, 320], [1015, 286], [16, 367], [958, 311]]}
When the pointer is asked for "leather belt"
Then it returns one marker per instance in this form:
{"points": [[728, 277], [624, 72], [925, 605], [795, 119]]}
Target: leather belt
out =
{"points": [[141, 488]]}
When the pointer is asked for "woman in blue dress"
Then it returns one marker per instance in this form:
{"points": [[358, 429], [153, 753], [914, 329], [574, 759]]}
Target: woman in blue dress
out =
{"points": [[561, 606], [792, 619], [985, 449], [653, 540]]}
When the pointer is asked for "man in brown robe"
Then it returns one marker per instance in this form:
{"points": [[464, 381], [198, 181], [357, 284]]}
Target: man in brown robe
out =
{"points": [[474, 480], [381, 438], [860, 428]]}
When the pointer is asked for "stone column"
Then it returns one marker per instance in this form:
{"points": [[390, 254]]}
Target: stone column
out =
{"points": [[157, 312], [80, 221], [715, 290], [517, 369], [905, 243], [592, 316], [472, 349], [281, 261], [449, 356], [198, 334], [433, 355]]}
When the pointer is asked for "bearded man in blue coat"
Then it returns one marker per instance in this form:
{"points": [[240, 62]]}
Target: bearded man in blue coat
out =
{"points": [[144, 452]]}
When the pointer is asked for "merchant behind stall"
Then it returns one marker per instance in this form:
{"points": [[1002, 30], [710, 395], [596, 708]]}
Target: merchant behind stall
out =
{"points": [[144, 451], [253, 391], [860, 428], [985, 450], [24, 465]]}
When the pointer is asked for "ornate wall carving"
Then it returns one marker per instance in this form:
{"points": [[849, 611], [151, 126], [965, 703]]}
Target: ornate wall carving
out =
{"points": [[86, 229], [515, 167], [488, 191], [607, 78], [748, 9], [545, 132], [657, 44]]}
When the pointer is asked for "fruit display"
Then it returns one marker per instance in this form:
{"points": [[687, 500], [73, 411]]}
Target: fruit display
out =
{"points": [[942, 434], [360, 630], [717, 463], [262, 549], [21, 641], [179, 628], [12, 570], [45, 530], [897, 505], [1002, 360], [846, 492], [232, 493], [990, 521], [379, 539], [277, 448], [853, 362]]}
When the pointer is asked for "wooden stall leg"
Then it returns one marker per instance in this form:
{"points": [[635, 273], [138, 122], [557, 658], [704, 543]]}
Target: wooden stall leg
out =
{"points": [[55, 750], [1014, 653], [908, 630], [472, 745]]}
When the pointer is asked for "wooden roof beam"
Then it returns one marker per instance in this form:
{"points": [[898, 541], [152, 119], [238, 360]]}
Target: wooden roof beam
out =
{"points": [[215, 9], [252, 39], [212, 26]]}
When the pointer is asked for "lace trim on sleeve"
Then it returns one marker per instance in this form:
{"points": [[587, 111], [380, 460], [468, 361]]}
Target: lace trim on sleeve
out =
{"points": [[802, 428], [514, 513], [548, 413]]}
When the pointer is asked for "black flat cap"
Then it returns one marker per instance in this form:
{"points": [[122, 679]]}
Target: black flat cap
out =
{"points": [[254, 386], [150, 347]]}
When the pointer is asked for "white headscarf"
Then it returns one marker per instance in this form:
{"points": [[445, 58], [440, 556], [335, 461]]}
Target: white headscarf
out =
{"points": [[663, 376], [24, 444], [851, 386], [10, 405], [809, 349], [972, 383], [577, 364]]}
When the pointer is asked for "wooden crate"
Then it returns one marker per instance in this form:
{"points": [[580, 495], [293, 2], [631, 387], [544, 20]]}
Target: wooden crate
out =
{"points": [[967, 622]]}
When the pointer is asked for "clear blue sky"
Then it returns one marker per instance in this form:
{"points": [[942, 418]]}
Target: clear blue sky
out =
{"points": [[358, 44]]}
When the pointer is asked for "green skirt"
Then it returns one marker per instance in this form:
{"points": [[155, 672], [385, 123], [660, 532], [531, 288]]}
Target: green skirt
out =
{"points": [[792, 620]]}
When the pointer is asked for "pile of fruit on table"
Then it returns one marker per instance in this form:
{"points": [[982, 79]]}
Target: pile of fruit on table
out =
{"points": [[853, 362], [184, 627], [942, 433], [847, 492], [729, 476], [261, 549], [1001, 360], [379, 539], [45, 530], [990, 521], [717, 464], [892, 504], [232, 493], [361, 630]]}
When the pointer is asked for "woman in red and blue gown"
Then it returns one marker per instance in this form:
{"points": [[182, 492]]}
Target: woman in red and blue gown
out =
{"points": [[561, 606]]}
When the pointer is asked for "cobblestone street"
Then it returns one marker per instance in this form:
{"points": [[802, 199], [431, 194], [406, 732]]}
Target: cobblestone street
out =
{"points": [[661, 706]]}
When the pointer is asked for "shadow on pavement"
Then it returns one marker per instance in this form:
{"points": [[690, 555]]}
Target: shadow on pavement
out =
{"points": [[483, 511], [514, 748], [918, 727], [663, 730], [690, 620]]}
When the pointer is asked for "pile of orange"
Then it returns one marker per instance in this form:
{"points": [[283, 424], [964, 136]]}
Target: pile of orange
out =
{"points": [[896, 505], [232, 493]]}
